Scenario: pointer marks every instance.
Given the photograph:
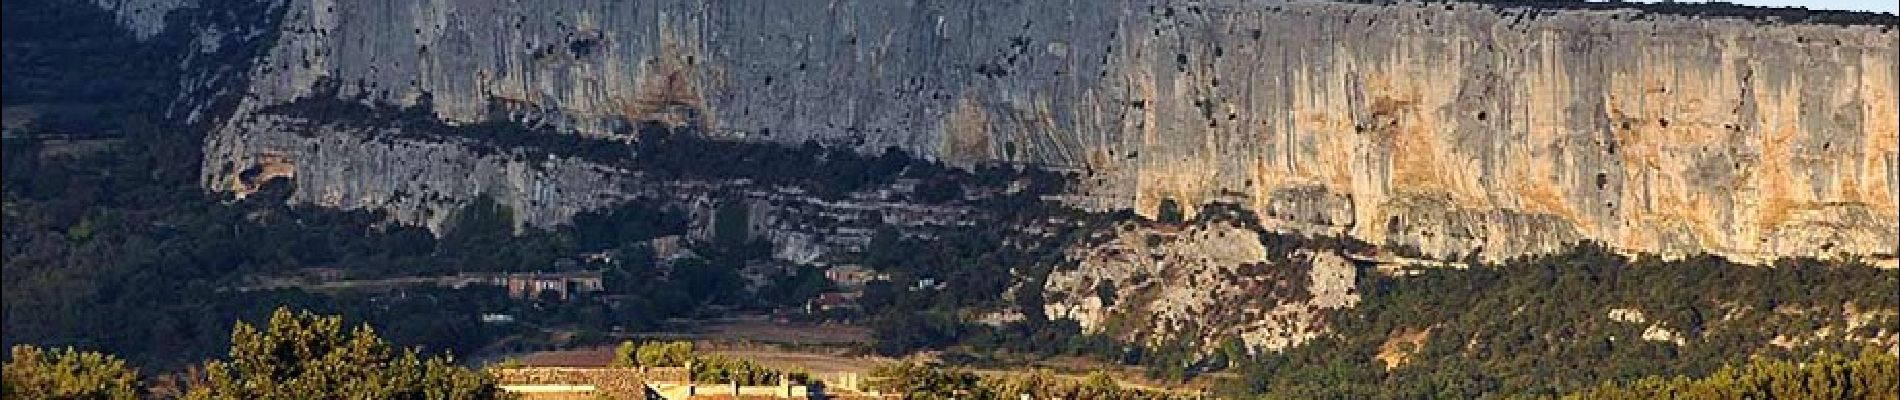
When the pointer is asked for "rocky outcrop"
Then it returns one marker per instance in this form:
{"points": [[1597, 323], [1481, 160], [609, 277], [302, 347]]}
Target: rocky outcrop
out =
{"points": [[1205, 282], [416, 181], [1450, 128], [1863, 327], [421, 179]]}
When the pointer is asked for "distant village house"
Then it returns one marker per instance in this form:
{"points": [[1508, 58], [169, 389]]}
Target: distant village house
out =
{"points": [[560, 285]]}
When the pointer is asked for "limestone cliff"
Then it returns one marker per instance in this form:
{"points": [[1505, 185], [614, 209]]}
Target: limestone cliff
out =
{"points": [[1206, 283], [1451, 128]]}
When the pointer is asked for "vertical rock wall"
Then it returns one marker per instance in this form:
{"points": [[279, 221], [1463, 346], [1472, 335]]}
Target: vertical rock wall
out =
{"points": [[1451, 128]]}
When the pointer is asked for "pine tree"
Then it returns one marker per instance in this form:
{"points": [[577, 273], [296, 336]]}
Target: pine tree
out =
{"points": [[307, 356]]}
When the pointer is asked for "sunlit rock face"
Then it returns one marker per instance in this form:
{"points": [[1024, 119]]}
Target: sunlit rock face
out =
{"points": [[1455, 129], [1205, 282]]}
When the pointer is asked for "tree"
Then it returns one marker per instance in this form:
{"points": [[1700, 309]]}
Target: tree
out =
{"points": [[703, 368], [795, 286], [731, 224], [1874, 374], [624, 355], [919, 381], [722, 369], [665, 354], [34, 373], [1099, 384], [885, 251], [938, 190], [477, 230], [307, 356]]}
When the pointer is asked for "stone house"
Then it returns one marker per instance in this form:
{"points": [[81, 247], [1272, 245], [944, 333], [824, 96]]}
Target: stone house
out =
{"points": [[563, 285], [852, 276]]}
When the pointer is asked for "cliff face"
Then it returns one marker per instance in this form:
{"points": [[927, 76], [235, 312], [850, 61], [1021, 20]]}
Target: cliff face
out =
{"points": [[1454, 129]]}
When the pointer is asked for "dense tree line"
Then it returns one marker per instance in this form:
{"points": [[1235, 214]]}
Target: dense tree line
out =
{"points": [[34, 373], [303, 355], [703, 368], [1540, 325], [922, 381], [1873, 375], [295, 356]]}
